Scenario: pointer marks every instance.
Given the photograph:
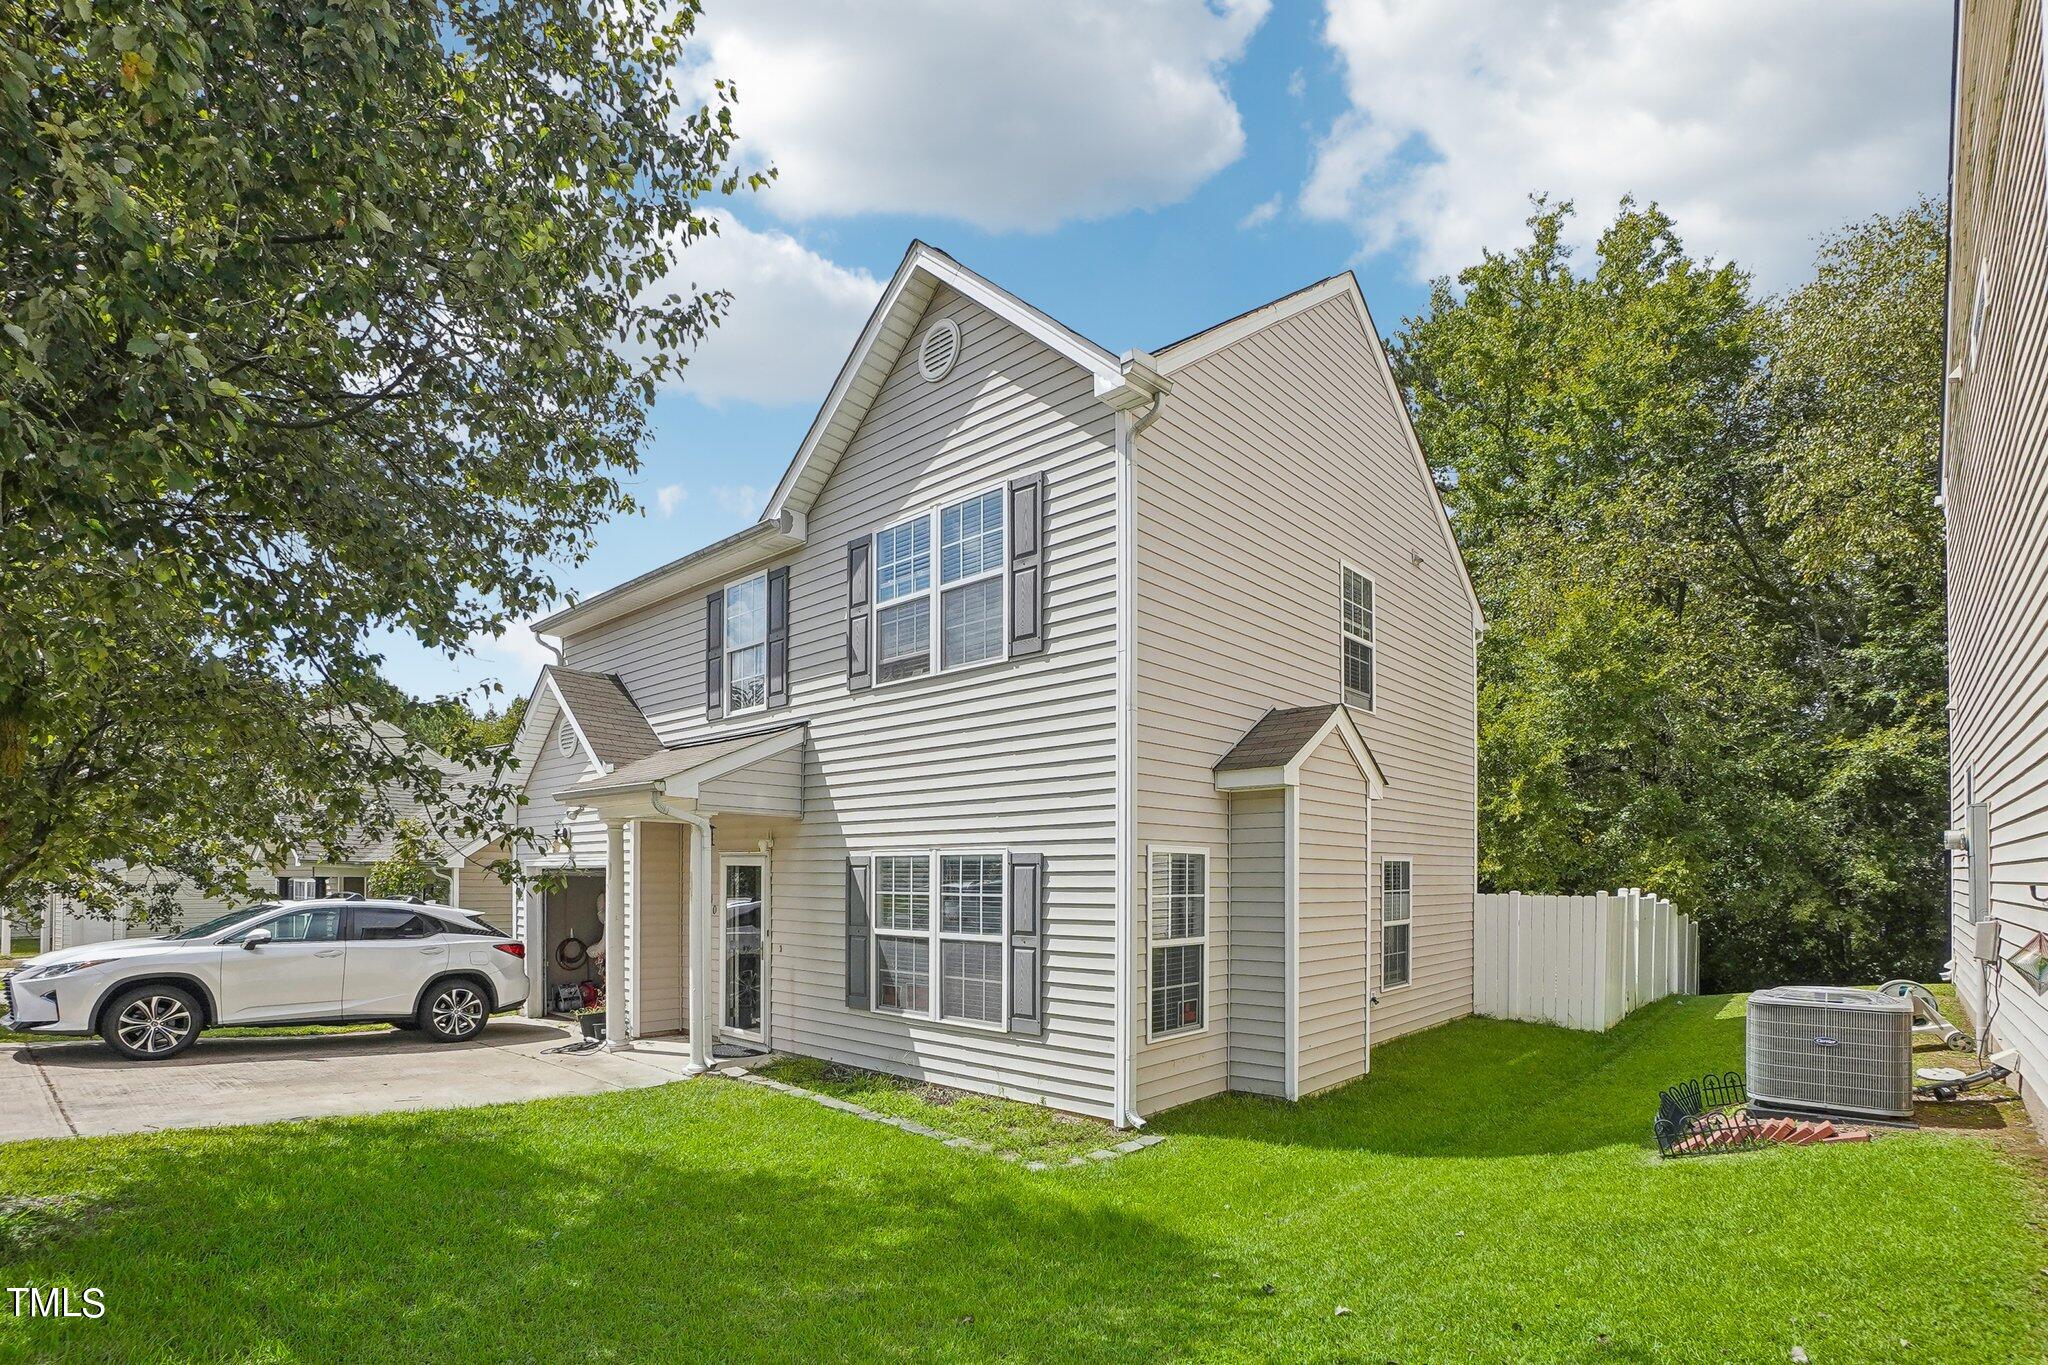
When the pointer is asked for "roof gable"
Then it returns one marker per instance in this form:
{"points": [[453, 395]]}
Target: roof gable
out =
{"points": [[1271, 753], [1206, 343], [608, 726]]}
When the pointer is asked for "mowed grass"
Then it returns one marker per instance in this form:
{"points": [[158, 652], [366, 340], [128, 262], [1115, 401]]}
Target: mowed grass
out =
{"points": [[1489, 1193], [1031, 1132]]}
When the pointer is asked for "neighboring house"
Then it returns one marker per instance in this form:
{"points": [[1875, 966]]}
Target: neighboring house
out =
{"points": [[1995, 496], [1098, 731], [471, 884]]}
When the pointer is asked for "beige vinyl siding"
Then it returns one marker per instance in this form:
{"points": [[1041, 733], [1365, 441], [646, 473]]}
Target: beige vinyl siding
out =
{"points": [[482, 891], [1332, 913], [1996, 463], [1257, 942], [1014, 754], [760, 788], [555, 772], [1273, 460], [660, 965]]}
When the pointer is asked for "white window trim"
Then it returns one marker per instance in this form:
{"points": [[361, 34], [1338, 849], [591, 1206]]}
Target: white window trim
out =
{"points": [[1386, 989], [1371, 642], [1208, 919], [934, 937], [935, 590], [725, 646]]}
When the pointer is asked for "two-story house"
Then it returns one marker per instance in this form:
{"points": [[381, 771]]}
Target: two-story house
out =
{"points": [[1089, 729]]}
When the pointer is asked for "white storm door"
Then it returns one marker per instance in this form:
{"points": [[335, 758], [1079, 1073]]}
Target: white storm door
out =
{"points": [[743, 1003]]}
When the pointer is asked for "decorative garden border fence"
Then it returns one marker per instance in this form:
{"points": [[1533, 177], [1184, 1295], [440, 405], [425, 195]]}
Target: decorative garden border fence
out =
{"points": [[1580, 961]]}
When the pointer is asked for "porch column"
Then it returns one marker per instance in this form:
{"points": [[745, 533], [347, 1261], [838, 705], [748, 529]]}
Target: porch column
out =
{"points": [[703, 1000], [533, 905], [615, 955]]}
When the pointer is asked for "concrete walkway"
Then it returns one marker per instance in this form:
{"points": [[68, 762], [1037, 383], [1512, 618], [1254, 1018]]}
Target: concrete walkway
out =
{"points": [[82, 1089]]}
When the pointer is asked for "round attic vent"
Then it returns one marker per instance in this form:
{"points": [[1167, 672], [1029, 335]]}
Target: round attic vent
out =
{"points": [[939, 349], [565, 740]]}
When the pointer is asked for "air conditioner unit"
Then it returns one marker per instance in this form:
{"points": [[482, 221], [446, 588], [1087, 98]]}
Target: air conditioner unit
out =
{"points": [[1829, 1050]]}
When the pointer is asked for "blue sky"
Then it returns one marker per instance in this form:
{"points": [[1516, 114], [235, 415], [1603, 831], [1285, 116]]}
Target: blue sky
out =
{"points": [[1141, 169]]}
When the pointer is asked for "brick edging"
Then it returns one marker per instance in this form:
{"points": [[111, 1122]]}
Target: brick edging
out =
{"points": [[1109, 1153]]}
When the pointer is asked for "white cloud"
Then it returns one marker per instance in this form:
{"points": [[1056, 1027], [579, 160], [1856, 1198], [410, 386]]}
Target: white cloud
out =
{"points": [[793, 318], [739, 500], [1008, 114], [516, 654], [1260, 215], [669, 497], [1758, 125]]}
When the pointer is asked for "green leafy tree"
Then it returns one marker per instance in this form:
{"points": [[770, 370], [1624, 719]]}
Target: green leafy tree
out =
{"points": [[1691, 680], [418, 865], [319, 322]]}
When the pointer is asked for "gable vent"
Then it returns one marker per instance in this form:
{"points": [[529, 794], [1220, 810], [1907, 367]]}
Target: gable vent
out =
{"points": [[565, 740], [939, 349]]}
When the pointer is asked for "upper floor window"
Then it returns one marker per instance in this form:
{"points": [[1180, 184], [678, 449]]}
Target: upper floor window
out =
{"points": [[1359, 650], [746, 645], [965, 594]]}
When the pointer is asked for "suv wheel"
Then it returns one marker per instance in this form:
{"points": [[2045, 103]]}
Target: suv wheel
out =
{"points": [[454, 1011], [150, 1023]]}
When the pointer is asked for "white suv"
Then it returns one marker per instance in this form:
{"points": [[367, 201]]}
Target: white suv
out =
{"points": [[434, 968]]}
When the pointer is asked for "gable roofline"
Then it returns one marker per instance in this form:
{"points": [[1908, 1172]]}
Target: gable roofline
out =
{"points": [[1206, 343], [882, 342], [1230, 774], [767, 539]]}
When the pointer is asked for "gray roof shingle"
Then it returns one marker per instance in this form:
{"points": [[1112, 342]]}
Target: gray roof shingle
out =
{"points": [[618, 733], [1276, 739]]}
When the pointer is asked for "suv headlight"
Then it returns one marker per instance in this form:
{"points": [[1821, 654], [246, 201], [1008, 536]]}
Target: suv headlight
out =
{"points": [[64, 968]]}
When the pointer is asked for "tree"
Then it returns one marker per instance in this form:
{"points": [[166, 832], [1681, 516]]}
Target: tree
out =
{"points": [[417, 867], [320, 321], [1692, 681]]}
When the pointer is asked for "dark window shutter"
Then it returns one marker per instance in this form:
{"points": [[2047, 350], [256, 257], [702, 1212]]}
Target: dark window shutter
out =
{"points": [[857, 871], [284, 888], [319, 888], [859, 594], [1027, 931], [1027, 565], [778, 637], [714, 654]]}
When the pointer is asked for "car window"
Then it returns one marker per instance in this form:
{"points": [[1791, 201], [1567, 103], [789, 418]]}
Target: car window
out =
{"points": [[320, 924], [452, 924], [374, 923], [220, 922]]}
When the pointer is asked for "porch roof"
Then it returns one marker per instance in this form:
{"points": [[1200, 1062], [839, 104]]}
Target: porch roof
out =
{"points": [[681, 770]]}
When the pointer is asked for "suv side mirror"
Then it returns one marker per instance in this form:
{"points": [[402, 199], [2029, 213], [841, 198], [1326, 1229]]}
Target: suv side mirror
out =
{"points": [[255, 939]]}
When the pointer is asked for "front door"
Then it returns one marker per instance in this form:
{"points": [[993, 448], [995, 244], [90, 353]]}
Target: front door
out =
{"points": [[296, 974], [745, 971]]}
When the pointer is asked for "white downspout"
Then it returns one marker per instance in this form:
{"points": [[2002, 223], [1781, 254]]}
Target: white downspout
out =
{"points": [[1128, 428]]}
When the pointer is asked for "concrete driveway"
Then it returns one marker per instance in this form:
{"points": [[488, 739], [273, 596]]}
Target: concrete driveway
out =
{"points": [[82, 1089]]}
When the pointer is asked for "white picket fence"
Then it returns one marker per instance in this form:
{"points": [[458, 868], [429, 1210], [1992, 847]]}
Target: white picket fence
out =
{"points": [[1580, 961]]}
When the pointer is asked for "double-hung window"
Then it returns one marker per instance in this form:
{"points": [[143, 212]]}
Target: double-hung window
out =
{"points": [[1178, 925], [964, 938], [963, 591], [1358, 638], [746, 645], [1397, 914]]}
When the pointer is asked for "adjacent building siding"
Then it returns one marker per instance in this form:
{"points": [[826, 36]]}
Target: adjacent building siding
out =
{"points": [[1333, 866], [1272, 461], [1996, 483], [1017, 754], [1255, 963], [479, 889]]}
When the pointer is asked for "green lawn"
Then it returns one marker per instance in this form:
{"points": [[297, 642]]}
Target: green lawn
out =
{"points": [[1488, 1194]]}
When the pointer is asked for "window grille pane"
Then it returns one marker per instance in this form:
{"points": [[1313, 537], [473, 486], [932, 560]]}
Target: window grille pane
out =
{"points": [[903, 894], [971, 537], [1358, 668], [903, 969], [904, 648], [1177, 988], [1179, 895], [1394, 954], [746, 613], [973, 623], [970, 895], [1397, 894], [1357, 604], [747, 674], [903, 560], [971, 981]]}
